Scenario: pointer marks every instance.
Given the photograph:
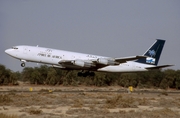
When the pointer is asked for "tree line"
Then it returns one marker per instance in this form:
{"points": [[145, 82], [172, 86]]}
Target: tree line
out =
{"points": [[45, 75]]}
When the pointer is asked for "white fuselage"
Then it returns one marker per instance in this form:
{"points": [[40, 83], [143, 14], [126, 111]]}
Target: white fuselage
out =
{"points": [[53, 57]]}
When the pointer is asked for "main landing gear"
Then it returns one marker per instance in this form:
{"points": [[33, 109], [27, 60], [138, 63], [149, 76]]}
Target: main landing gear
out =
{"points": [[85, 74], [22, 64]]}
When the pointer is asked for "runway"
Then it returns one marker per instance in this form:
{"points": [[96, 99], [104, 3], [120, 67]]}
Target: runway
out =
{"points": [[93, 91]]}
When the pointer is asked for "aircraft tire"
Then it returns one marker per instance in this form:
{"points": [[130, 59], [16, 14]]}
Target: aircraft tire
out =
{"points": [[80, 74], [85, 74], [91, 74], [23, 64]]}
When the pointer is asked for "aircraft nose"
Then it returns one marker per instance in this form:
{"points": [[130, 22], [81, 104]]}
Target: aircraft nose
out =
{"points": [[8, 51]]}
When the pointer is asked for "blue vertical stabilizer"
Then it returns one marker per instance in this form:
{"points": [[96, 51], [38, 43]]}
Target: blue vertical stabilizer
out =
{"points": [[153, 53]]}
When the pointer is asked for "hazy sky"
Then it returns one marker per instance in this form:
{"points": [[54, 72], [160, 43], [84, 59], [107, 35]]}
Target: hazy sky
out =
{"points": [[114, 28]]}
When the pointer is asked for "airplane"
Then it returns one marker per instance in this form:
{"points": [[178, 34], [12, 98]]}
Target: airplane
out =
{"points": [[89, 63]]}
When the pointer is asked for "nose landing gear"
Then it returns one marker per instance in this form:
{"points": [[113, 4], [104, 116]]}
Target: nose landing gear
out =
{"points": [[22, 64]]}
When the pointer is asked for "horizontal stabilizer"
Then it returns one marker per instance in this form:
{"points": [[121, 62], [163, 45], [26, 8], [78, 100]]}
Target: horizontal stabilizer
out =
{"points": [[159, 67], [125, 59]]}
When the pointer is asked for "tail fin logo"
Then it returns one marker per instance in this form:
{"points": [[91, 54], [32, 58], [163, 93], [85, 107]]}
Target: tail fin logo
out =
{"points": [[150, 60], [152, 53]]}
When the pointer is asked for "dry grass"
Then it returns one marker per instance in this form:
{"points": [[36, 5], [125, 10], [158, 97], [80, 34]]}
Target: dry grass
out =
{"points": [[118, 101], [87, 111], [82, 104], [78, 103], [32, 110], [2, 115], [5, 99], [162, 113]]}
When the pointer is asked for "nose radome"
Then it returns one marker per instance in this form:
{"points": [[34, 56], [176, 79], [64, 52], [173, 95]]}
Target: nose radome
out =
{"points": [[8, 51]]}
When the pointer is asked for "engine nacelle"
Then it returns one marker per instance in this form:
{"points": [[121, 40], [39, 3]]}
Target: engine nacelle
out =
{"points": [[106, 61], [82, 63]]}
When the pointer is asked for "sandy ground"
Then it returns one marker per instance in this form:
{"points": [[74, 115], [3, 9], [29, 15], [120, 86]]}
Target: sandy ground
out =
{"points": [[76, 102]]}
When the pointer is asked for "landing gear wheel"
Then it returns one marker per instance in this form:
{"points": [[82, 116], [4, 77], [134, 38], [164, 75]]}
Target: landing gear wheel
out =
{"points": [[80, 74], [23, 64], [85, 74], [91, 74]]}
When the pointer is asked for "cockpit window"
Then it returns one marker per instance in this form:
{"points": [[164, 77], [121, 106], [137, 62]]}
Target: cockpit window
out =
{"points": [[14, 48]]}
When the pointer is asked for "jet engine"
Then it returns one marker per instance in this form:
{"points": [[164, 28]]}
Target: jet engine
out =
{"points": [[106, 61], [82, 63]]}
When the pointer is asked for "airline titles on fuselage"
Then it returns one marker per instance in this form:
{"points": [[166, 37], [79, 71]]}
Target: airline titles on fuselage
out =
{"points": [[92, 56], [48, 53]]}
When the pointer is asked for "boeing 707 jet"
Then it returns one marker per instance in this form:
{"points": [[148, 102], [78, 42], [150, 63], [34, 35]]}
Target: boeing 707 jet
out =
{"points": [[88, 63]]}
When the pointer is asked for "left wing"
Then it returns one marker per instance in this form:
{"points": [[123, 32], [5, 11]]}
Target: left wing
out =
{"points": [[77, 63], [96, 63]]}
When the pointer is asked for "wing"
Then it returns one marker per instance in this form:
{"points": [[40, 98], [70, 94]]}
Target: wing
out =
{"points": [[77, 64], [95, 63]]}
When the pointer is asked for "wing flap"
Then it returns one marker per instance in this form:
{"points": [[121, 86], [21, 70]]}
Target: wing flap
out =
{"points": [[95, 63]]}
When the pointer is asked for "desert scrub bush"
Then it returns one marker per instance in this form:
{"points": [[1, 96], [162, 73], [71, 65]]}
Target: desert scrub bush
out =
{"points": [[101, 96], [120, 102], [52, 96], [87, 111], [32, 110], [5, 99], [77, 111], [12, 93], [92, 104], [78, 103], [166, 102], [35, 111], [2, 115], [164, 93], [112, 102], [178, 102], [166, 113], [122, 111], [143, 101]]}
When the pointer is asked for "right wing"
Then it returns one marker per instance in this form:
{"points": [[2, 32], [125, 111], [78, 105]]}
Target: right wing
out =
{"points": [[125, 59]]}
